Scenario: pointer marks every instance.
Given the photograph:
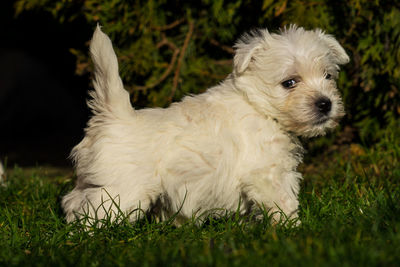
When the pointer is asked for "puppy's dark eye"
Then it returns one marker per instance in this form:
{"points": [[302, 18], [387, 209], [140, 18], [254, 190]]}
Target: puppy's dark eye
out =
{"points": [[288, 84], [328, 76]]}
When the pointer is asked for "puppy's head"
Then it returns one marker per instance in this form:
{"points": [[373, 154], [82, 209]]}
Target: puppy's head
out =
{"points": [[291, 77]]}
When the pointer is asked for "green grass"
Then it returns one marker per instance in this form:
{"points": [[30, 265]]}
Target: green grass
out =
{"points": [[350, 214]]}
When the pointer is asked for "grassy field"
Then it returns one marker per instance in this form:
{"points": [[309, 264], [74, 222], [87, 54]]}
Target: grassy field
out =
{"points": [[350, 216]]}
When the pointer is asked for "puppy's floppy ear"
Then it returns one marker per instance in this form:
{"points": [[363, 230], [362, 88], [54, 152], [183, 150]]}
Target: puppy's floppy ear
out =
{"points": [[338, 54], [245, 48]]}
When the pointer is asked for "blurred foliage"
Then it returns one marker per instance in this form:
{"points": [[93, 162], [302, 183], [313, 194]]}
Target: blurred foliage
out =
{"points": [[168, 49]]}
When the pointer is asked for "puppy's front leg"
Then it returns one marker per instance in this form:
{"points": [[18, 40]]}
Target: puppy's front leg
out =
{"points": [[276, 190]]}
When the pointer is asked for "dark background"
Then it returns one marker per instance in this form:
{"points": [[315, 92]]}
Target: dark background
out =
{"points": [[42, 101]]}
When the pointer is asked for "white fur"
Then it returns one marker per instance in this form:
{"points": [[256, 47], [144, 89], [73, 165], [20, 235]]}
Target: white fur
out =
{"points": [[2, 173], [234, 143]]}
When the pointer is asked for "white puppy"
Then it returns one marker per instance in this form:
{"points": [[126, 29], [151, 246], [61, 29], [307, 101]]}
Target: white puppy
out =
{"points": [[232, 147]]}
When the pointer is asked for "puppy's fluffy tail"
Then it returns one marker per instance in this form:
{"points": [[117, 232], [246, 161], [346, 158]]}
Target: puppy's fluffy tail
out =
{"points": [[109, 95]]}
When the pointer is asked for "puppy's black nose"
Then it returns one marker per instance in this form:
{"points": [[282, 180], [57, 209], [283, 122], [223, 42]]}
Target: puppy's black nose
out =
{"points": [[323, 105]]}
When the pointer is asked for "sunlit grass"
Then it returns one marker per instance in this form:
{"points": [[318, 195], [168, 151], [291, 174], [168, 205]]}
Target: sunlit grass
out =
{"points": [[350, 215]]}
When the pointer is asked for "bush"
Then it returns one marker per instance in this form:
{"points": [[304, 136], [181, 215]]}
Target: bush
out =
{"points": [[168, 49]]}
